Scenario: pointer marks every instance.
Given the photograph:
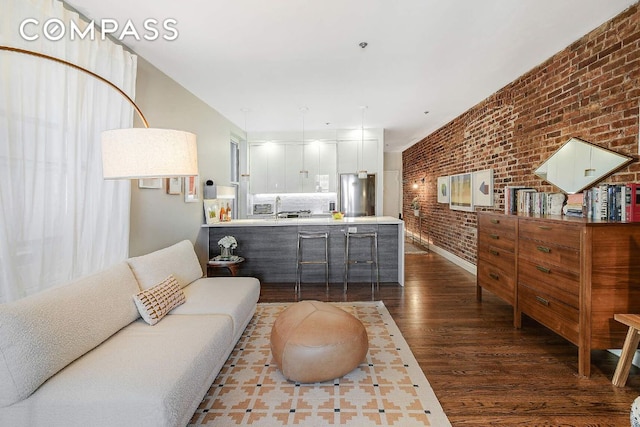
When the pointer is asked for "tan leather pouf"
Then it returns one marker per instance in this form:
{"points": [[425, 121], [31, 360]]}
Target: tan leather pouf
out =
{"points": [[312, 341]]}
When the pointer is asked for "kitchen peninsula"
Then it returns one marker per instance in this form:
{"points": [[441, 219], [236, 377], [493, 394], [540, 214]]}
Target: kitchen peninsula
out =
{"points": [[269, 247]]}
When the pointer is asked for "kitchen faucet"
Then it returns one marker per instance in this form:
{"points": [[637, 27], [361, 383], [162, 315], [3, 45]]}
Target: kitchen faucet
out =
{"points": [[278, 201]]}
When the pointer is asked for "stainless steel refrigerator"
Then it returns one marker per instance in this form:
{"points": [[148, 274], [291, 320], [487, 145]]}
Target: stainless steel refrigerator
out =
{"points": [[357, 195]]}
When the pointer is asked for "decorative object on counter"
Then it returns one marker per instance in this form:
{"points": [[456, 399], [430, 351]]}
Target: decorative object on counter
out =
{"points": [[174, 185], [191, 191], [415, 205], [337, 215], [443, 189], [227, 245], [483, 188], [211, 209]]}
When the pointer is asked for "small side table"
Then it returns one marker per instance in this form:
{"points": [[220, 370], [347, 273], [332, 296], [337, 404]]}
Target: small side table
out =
{"points": [[629, 347], [233, 265]]}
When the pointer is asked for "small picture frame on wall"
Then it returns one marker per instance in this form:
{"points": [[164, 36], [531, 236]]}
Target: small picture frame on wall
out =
{"points": [[461, 186], [154, 183], [174, 185], [443, 189], [483, 188], [191, 189]]}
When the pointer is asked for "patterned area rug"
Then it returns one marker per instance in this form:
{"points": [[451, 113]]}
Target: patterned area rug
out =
{"points": [[387, 389]]}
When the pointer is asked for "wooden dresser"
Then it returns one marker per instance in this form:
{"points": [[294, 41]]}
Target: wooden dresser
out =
{"points": [[570, 274]]}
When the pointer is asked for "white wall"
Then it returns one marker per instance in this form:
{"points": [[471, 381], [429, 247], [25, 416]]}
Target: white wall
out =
{"points": [[157, 218], [393, 202]]}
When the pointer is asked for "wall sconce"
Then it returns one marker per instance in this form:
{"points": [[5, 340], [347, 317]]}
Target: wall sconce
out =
{"points": [[416, 185]]}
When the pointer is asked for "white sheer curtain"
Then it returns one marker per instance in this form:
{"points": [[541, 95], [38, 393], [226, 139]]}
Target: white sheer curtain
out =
{"points": [[58, 218]]}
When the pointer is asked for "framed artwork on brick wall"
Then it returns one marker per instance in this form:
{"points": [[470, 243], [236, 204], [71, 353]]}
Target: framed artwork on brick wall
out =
{"points": [[443, 189], [461, 194], [483, 188]]}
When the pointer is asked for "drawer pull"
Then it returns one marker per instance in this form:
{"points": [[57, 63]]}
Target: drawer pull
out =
{"points": [[494, 236], [544, 249], [542, 301], [543, 269], [494, 276], [544, 227], [495, 221], [492, 252]]}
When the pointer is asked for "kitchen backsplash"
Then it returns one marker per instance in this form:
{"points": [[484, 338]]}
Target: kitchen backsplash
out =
{"points": [[317, 203]]}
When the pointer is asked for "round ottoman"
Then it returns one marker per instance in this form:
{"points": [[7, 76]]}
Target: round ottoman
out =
{"points": [[312, 341]]}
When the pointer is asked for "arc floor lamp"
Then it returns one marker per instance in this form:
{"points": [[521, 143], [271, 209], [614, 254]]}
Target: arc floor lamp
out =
{"points": [[138, 152]]}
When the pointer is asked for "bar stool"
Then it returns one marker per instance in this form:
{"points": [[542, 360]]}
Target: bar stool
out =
{"points": [[309, 235], [373, 260]]}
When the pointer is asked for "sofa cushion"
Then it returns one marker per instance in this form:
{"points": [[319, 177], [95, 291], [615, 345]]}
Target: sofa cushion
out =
{"points": [[233, 296], [154, 303], [179, 260], [43, 333], [140, 377]]}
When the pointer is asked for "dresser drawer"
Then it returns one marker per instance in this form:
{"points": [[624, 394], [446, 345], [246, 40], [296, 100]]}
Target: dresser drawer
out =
{"points": [[547, 254], [549, 231], [551, 280], [554, 314], [501, 258], [500, 240], [498, 281], [500, 224]]}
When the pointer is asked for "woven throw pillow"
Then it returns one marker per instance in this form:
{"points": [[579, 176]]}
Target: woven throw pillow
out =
{"points": [[154, 303]]}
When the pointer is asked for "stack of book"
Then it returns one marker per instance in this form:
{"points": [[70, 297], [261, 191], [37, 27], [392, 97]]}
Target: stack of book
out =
{"points": [[519, 199], [574, 206], [613, 202]]}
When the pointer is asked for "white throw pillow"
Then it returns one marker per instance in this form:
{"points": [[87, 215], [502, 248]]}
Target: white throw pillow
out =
{"points": [[179, 260], [154, 303]]}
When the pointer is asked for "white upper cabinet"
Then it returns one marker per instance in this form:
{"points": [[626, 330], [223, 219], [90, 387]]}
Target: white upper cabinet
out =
{"points": [[320, 161], [267, 168], [275, 167], [354, 156]]}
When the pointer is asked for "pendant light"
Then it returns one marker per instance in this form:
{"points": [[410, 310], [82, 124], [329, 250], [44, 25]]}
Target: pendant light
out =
{"points": [[245, 176], [362, 173], [304, 173]]}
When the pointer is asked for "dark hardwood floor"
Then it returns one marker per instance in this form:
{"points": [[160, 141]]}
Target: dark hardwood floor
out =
{"points": [[483, 371]]}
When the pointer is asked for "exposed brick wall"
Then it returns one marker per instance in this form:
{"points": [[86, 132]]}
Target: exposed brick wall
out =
{"points": [[590, 90]]}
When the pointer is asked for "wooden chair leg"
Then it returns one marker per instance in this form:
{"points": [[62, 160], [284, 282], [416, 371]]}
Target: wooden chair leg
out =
{"points": [[626, 357]]}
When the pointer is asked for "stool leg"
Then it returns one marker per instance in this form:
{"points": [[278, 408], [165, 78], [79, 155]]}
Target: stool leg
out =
{"points": [[346, 262], [376, 262], [626, 357], [298, 259], [326, 261]]}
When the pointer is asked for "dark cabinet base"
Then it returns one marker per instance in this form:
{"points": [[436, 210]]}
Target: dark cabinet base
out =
{"points": [[270, 252]]}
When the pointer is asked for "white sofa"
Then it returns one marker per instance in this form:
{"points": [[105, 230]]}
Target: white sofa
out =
{"points": [[80, 355]]}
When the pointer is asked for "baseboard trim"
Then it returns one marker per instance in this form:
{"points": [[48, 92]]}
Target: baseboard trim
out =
{"points": [[471, 268]]}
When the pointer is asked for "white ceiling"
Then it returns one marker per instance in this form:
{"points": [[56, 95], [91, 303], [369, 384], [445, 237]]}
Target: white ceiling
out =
{"points": [[275, 56]]}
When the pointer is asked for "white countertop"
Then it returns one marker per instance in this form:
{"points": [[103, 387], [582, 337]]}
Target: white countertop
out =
{"points": [[271, 222]]}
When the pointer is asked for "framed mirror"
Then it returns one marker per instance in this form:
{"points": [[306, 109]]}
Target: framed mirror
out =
{"points": [[579, 164]]}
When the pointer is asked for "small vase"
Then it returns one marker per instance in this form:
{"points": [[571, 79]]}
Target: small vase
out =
{"points": [[416, 212], [225, 253]]}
